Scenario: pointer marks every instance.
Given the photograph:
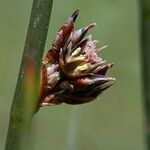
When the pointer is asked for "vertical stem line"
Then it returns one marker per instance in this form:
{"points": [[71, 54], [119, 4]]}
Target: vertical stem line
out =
{"points": [[27, 90], [145, 43]]}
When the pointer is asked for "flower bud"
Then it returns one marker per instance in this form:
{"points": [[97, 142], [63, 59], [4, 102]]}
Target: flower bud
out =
{"points": [[72, 71]]}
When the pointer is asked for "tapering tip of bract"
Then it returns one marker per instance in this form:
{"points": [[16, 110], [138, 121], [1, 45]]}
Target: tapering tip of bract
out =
{"points": [[92, 25], [87, 28], [108, 84], [75, 14]]}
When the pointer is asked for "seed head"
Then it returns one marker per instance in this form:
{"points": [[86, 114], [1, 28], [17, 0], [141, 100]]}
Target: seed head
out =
{"points": [[72, 71]]}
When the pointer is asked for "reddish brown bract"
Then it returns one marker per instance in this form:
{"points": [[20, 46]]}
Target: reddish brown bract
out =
{"points": [[72, 72]]}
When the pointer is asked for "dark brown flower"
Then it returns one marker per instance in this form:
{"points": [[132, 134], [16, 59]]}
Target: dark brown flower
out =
{"points": [[72, 72]]}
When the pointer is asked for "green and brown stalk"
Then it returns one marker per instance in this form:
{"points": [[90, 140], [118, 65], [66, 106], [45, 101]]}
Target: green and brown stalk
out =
{"points": [[27, 89]]}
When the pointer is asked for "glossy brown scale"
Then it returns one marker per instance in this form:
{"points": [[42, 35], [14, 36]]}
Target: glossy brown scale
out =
{"points": [[84, 83], [61, 38]]}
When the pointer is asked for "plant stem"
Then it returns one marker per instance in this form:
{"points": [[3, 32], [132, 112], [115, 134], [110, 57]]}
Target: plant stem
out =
{"points": [[145, 39], [27, 90]]}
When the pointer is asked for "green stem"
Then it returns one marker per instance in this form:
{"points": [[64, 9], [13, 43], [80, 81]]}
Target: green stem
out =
{"points": [[145, 39], [27, 89]]}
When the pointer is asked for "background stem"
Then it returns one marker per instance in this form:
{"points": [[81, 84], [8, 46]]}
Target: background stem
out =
{"points": [[27, 89], [145, 39]]}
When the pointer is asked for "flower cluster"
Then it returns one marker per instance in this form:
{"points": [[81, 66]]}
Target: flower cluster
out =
{"points": [[72, 72]]}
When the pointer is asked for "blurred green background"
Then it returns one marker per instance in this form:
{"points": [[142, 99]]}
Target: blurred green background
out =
{"points": [[115, 121]]}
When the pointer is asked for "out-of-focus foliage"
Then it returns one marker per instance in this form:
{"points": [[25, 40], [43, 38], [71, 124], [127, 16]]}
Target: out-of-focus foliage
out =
{"points": [[115, 120]]}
